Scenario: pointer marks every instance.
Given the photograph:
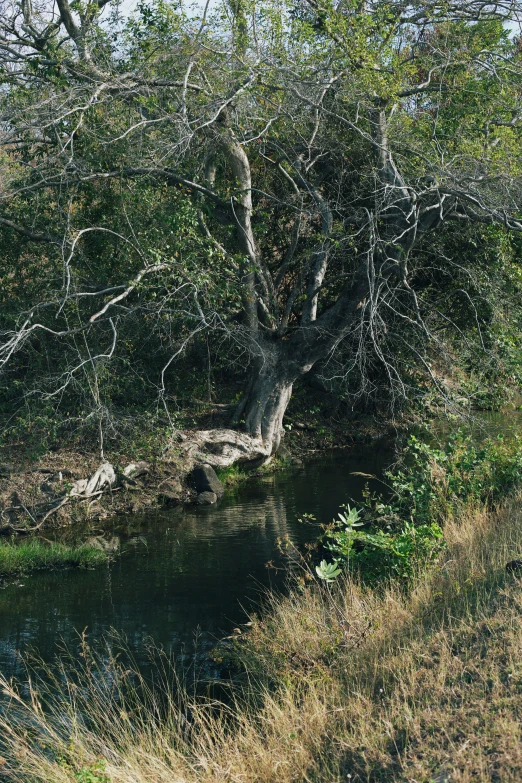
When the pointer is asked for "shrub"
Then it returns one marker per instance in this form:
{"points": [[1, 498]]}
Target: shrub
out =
{"points": [[431, 485], [382, 553]]}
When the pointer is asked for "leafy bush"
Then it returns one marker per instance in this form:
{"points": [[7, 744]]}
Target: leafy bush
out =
{"points": [[380, 553], [433, 483], [404, 532]]}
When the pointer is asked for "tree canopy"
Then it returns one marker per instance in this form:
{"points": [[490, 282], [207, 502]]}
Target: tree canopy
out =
{"points": [[322, 188]]}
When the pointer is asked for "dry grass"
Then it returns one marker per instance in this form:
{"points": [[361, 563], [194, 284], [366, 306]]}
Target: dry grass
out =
{"points": [[345, 684]]}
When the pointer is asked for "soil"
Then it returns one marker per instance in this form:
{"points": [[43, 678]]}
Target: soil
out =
{"points": [[37, 489]]}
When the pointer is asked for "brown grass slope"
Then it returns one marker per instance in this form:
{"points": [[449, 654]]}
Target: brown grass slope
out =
{"points": [[344, 684]]}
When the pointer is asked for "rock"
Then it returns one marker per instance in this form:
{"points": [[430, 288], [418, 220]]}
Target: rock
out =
{"points": [[514, 565], [204, 479], [171, 492], [136, 469], [206, 498]]}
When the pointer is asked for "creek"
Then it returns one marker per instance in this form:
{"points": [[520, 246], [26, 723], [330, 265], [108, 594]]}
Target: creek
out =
{"points": [[184, 577]]}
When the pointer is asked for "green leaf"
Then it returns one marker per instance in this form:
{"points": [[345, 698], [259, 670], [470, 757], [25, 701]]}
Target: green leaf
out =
{"points": [[327, 571]]}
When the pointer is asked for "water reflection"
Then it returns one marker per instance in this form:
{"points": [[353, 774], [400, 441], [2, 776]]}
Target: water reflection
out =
{"points": [[183, 578]]}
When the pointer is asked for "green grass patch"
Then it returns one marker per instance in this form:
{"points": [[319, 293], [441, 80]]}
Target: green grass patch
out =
{"points": [[34, 555], [233, 475]]}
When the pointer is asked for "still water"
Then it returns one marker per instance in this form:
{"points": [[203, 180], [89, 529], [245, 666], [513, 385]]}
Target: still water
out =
{"points": [[183, 578]]}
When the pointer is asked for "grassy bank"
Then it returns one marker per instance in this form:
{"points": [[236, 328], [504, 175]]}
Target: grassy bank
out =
{"points": [[34, 554], [343, 680]]}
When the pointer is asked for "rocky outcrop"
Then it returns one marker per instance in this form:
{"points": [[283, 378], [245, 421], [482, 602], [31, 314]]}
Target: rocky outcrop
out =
{"points": [[204, 479]]}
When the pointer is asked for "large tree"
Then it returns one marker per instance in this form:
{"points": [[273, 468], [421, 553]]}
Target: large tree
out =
{"points": [[313, 154]]}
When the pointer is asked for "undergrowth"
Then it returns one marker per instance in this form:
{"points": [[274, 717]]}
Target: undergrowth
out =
{"points": [[399, 534], [342, 681], [380, 684]]}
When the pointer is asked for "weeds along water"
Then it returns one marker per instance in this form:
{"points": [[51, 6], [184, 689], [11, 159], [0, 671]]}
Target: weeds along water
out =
{"points": [[182, 577], [381, 684], [417, 679], [33, 554]]}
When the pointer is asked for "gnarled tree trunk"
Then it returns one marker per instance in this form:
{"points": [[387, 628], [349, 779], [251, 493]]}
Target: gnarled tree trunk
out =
{"points": [[278, 364], [259, 416], [266, 401]]}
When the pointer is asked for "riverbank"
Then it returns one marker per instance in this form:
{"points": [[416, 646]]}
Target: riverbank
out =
{"points": [[35, 489], [343, 680]]}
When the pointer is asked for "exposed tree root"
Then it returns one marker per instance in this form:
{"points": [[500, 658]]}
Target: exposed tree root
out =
{"points": [[217, 447], [224, 447]]}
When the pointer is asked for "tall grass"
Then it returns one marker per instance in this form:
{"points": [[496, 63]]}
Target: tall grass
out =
{"points": [[34, 554], [341, 683]]}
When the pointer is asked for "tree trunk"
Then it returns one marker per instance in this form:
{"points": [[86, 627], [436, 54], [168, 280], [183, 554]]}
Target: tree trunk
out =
{"points": [[266, 403], [259, 416]]}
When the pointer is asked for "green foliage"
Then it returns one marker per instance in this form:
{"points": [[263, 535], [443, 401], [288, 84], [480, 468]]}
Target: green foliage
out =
{"points": [[94, 773], [381, 553], [405, 530], [458, 127], [435, 482]]}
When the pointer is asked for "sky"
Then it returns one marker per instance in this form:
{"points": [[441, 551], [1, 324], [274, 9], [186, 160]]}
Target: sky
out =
{"points": [[128, 6]]}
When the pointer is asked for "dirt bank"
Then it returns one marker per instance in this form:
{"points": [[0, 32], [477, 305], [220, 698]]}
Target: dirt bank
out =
{"points": [[37, 493]]}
